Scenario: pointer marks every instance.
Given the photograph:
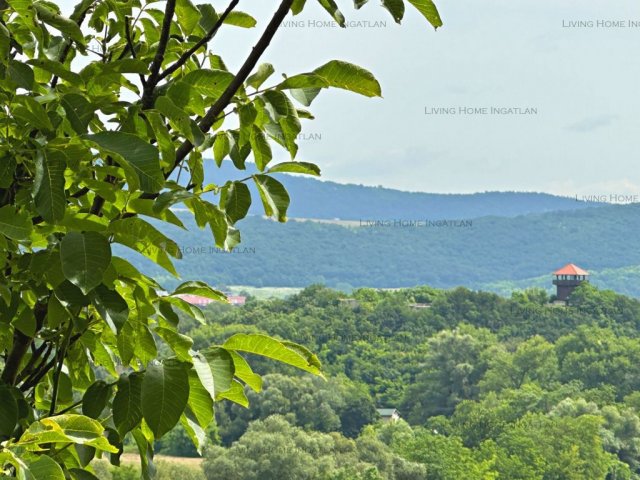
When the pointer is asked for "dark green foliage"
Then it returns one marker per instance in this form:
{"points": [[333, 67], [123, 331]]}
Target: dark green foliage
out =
{"points": [[300, 253]]}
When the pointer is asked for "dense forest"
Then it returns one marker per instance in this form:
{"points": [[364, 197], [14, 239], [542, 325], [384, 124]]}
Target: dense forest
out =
{"points": [[487, 388], [298, 254]]}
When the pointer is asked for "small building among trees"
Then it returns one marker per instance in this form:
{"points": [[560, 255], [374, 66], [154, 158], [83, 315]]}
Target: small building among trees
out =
{"points": [[388, 414], [567, 279]]}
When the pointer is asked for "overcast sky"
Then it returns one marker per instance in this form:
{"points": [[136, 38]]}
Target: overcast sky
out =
{"points": [[581, 80]]}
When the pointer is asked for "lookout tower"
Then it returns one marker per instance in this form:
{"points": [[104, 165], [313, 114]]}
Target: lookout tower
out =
{"points": [[567, 279]]}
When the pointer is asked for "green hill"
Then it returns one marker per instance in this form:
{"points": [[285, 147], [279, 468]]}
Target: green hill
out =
{"points": [[312, 198], [480, 252]]}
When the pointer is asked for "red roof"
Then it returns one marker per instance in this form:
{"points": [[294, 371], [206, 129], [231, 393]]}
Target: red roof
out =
{"points": [[571, 269], [195, 299]]}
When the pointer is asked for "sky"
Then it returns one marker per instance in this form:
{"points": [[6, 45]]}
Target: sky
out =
{"points": [[570, 66]]}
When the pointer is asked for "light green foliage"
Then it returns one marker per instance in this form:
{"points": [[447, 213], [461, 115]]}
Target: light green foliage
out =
{"points": [[107, 116], [273, 448], [528, 390], [336, 405]]}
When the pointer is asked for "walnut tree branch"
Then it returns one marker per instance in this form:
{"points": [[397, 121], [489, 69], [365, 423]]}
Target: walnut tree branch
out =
{"points": [[184, 58], [218, 107], [154, 76]]}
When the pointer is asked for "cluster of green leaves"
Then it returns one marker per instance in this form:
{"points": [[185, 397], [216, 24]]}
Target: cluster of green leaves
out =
{"points": [[493, 387], [106, 118]]}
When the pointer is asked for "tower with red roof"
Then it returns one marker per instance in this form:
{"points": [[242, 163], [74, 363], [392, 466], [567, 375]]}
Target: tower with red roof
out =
{"points": [[567, 279]]}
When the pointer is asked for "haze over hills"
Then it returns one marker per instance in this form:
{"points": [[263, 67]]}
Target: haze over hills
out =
{"points": [[313, 198], [489, 251]]}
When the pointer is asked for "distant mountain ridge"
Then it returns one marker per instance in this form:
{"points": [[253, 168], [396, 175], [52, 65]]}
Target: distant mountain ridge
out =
{"points": [[489, 250], [313, 198]]}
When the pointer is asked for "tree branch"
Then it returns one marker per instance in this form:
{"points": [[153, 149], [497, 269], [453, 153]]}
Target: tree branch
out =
{"points": [[56, 376], [21, 344], [154, 78], [184, 58], [79, 14], [218, 107]]}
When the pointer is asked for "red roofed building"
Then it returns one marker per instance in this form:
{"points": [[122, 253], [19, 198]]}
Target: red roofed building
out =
{"points": [[567, 279], [196, 300], [237, 300]]}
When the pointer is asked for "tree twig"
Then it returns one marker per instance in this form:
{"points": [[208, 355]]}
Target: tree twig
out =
{"points": [[184, 58], [154, 76], [218, 107], [56, 377]]}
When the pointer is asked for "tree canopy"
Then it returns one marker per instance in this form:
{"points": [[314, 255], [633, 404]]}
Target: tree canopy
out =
{"points": [[107, 117]]}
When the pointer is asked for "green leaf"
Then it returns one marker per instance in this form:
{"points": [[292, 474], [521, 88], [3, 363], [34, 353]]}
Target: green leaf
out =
{"points": [[15, 225], [196, 433], [200, 400], [127, 404], [202, 369], [235, 394], [111, 307], [45, 468], [222, 367], [145, 449], [303, 80], [180, 120], [191, 310], [165, 393], [291, 354], [296, 167], [95, 399], [79, 111], [201, 289], [48, 186], [208, 16], [240, 19], [57, 69], [247, 114], [188, 16], [65, 429], [274, 196], [21, 74], [180, 344], [221, 147], [25, 322], [142, 237], [244, 372], [143, 157], [264, 71], [350, 77], [84, 221], [236, 200], [305, 95], [85, 257], [163, 137], [31, 112], [395, 8], [359, 3], [8, 412], [331, 7], [7, 170], [429, 10], [209, 82], [78, 474], [261, 149], [65, 25], [297, 6]]}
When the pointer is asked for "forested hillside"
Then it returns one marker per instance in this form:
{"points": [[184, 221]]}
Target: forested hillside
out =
{"points": [[328, 200], [487, 388], [486, 250]]}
